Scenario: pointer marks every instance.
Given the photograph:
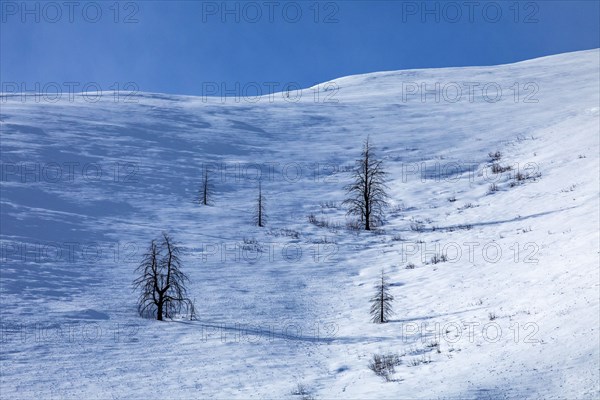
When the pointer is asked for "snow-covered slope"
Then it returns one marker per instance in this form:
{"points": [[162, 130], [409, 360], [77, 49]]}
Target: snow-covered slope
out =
{"points": [[514, 312]]}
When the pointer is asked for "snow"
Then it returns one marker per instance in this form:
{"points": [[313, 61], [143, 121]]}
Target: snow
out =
{"points": [[297, 312]]}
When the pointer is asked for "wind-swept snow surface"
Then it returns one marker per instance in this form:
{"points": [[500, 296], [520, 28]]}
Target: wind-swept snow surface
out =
{"points": [[512, 312]]}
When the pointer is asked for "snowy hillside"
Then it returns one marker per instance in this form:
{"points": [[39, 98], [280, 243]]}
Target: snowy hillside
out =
{"points": [[512, 313]]}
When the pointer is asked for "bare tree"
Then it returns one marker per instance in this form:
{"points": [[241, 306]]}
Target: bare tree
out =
{"points": [[206, 190], [259, 212], [367, 194], [161, 282], [381, 307]]}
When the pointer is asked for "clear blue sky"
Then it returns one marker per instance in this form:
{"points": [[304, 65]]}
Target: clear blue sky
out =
{"points": [[177, 46]]}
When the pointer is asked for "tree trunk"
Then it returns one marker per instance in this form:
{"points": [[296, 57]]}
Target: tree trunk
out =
{"points": [[204, 199], [381, 311], [367, 213], [260, 206], [260, 212], [159, 310]]}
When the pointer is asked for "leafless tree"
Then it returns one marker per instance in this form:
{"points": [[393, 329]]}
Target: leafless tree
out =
{"points": [[381, 307], [161, 282], [367, 194], [259, 212], [206, 190]]}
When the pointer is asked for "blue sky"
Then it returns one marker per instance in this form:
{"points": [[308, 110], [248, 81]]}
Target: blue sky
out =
{"points": [[181, 47]]}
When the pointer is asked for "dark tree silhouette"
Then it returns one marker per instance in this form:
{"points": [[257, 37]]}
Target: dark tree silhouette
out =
{"points": [[381, 307], [367, 194], [206, 190], [259, 211], [161, 282]]}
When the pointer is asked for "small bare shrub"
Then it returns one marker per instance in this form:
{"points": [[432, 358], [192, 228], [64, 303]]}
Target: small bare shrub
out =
{"points": [[324, 240], [419, 360], [439, 258], [495, 156], [300, 390], [397, 238], [521, 177], [289, 233], [466, 227], [384, 365], [569, 189], [251, 244], [323, 223], [329, 204], [354, 225], [417, 225], [303, 391], [499, 169], [466, 206]]}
